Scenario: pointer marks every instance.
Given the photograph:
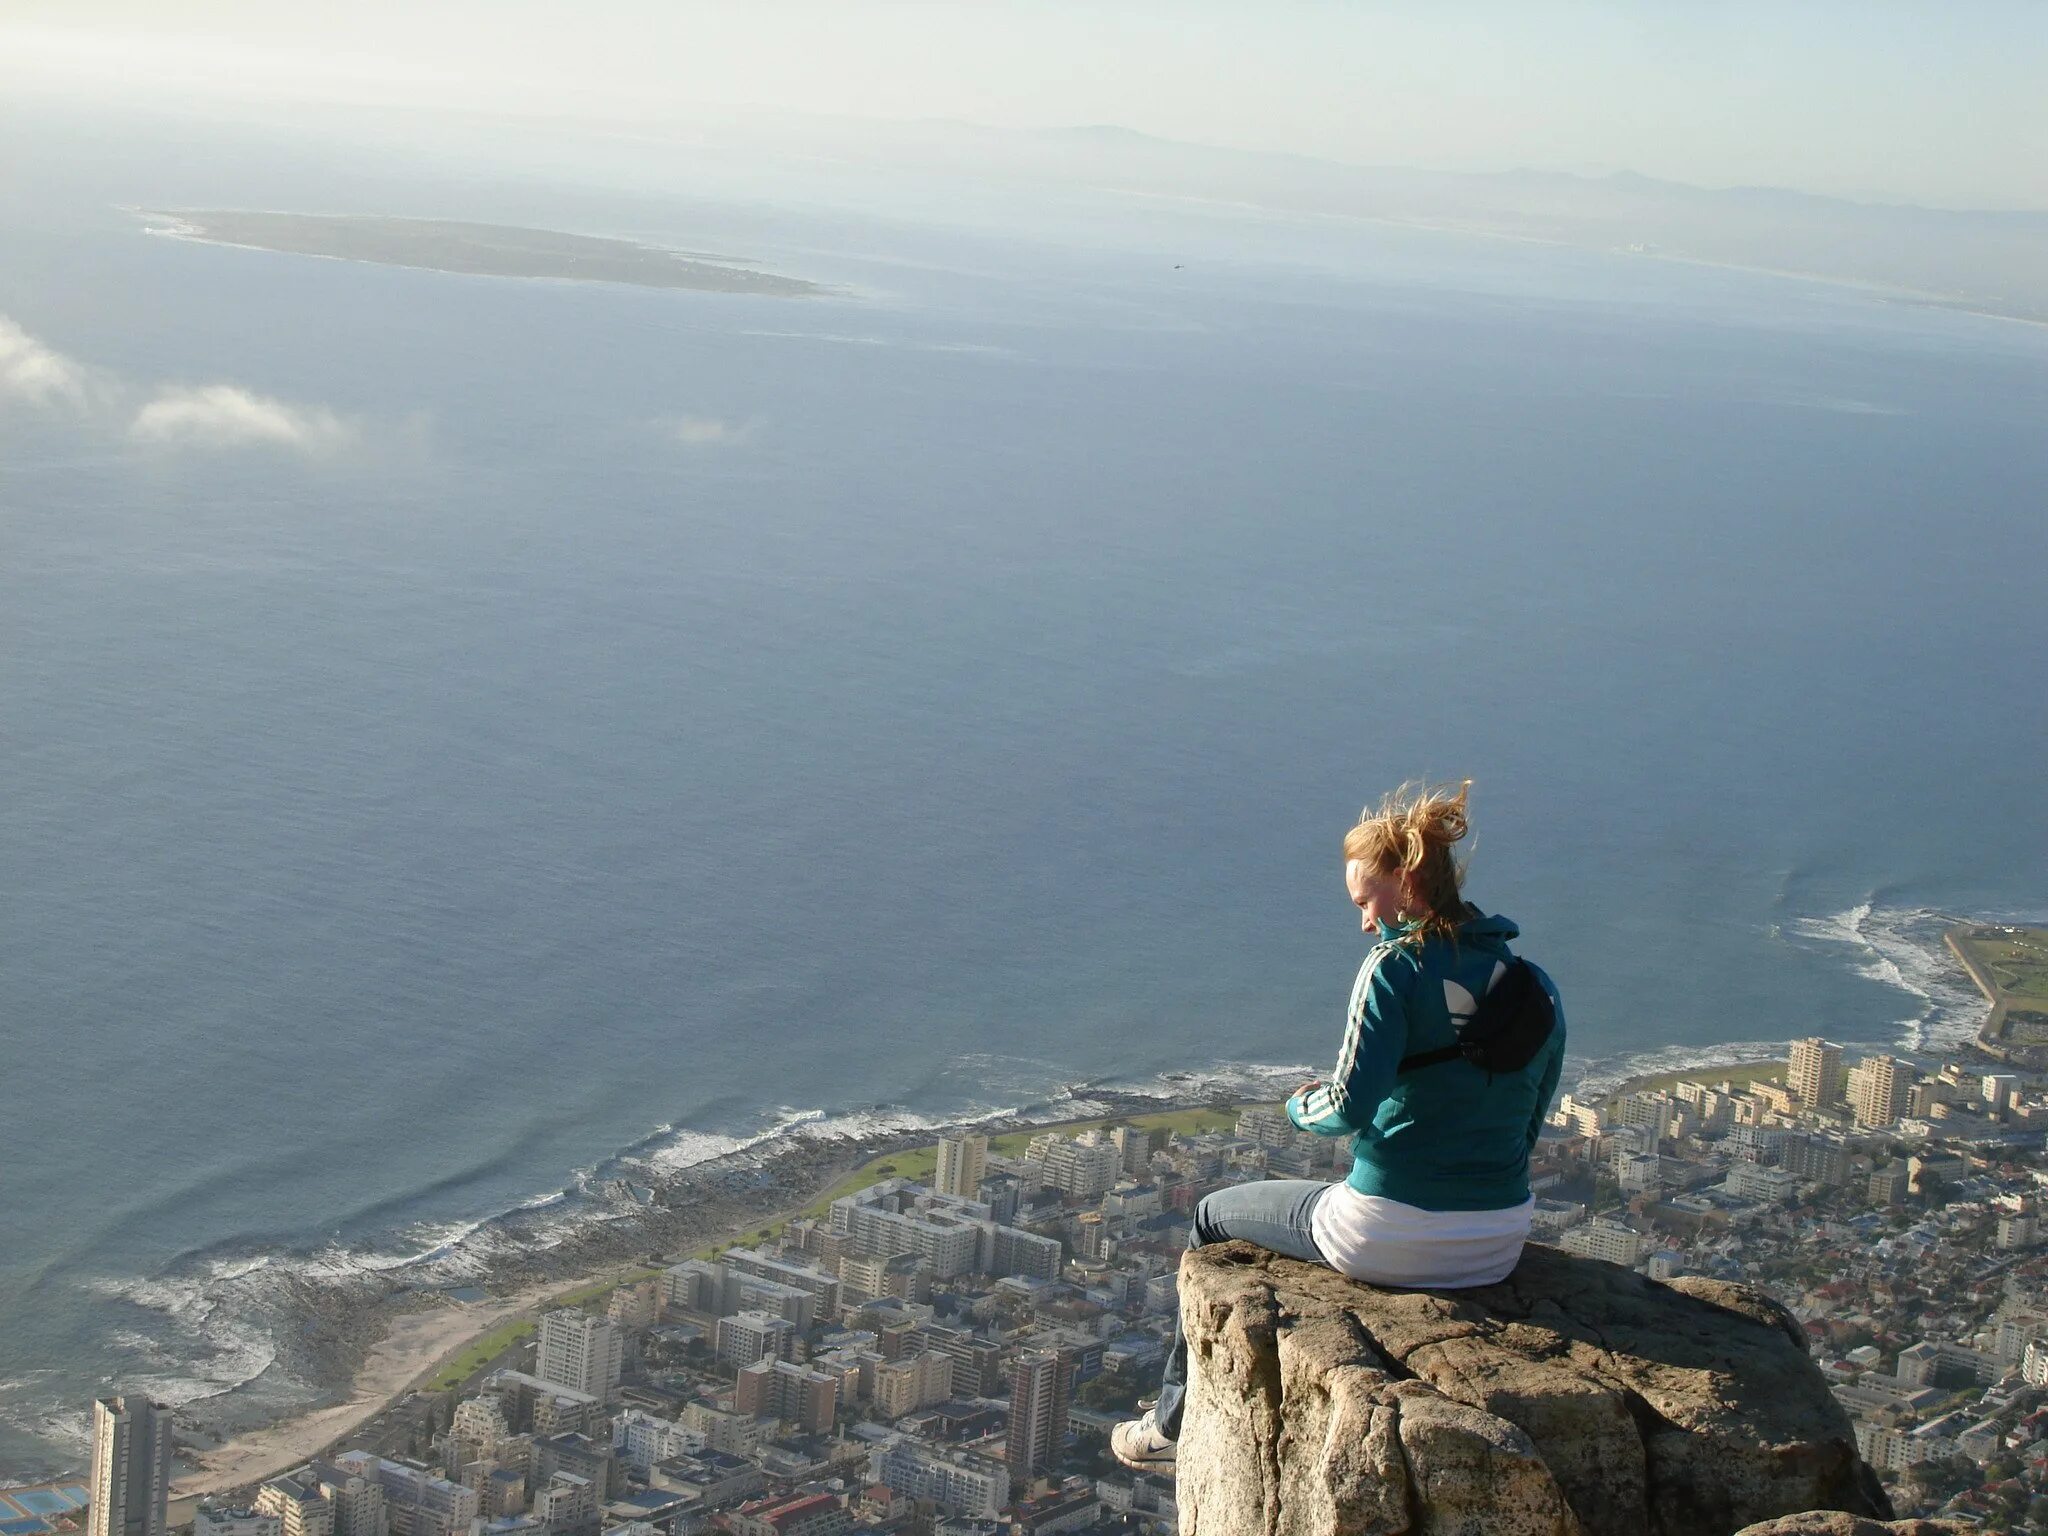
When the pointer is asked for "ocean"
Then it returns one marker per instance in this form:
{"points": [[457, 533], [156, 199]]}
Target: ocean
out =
{"points": [[637, 719]]}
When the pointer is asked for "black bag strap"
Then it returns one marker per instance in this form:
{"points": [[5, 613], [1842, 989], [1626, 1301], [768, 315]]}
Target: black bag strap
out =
{"points": [[1517, 981], [1430, 1058]]}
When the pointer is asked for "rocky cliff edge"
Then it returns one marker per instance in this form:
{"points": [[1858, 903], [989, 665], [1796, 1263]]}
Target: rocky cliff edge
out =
{"points": [[1573, 1399]]}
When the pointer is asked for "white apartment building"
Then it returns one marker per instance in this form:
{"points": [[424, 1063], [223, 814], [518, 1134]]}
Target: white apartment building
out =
{"points": [[234, 1522], [1013, 1251], [643, 1441], [897, 1216], [1579, 1117], [963, 1161], [959, 1482], [2034, 1363], [567, 1505], [730, 1434], [1085, 1168], [580, 1352], [824, 1288], [745, 1337], [1754, 1181], [1641, 1173], [356, 1498], [295, 1502], [918, 1381], [1609, 1241], [416, 1503], [1885, 1448], [1656, 1113]]}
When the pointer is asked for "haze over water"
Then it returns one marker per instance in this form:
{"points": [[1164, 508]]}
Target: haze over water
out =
{"points": [[675, 709]]}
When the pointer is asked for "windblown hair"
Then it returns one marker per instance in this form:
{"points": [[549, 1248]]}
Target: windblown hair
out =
{"points": [[1411, 833]]}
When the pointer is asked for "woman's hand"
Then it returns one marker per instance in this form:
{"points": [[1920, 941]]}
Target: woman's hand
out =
{"points": [[1308, 1087]]}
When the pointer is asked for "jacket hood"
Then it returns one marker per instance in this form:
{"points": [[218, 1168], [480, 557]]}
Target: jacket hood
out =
{"points": [[1478, 926], [1482, 926]]}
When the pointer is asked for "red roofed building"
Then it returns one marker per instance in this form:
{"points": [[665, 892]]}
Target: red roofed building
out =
{"points": [[801, 1514]]}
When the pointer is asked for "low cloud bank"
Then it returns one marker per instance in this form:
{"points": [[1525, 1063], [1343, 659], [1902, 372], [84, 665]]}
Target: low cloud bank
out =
{"points": [[207, 416], [223, 416], [708, 431], [38, 374]]}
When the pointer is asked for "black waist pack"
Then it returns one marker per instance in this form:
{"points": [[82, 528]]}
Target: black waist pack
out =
{"points": [[1505, 1031]]}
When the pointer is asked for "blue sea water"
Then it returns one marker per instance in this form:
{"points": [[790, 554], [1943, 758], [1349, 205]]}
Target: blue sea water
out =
{"points": [[969, 703]]}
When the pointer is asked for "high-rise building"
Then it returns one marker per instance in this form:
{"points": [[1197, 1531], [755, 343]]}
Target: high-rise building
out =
{"points": [[962, 1162], [806, 1398], [1041, 1390], [131, 1467], [580, 1352], [1878, 1086], [746, 1337], [1815, 1073]]}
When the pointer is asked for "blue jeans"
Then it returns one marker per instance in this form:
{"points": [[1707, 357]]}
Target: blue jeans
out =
{"points": [[1274, 1213]]}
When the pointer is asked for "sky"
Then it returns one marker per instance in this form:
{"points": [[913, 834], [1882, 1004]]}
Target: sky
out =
{"points": [[1873, 99]]}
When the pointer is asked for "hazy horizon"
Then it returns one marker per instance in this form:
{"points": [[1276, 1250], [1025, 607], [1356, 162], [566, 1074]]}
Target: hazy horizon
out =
{"points": [[1874, 103]]}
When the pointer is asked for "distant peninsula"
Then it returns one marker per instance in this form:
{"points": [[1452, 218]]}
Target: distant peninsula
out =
{"points": [[478, 250]]}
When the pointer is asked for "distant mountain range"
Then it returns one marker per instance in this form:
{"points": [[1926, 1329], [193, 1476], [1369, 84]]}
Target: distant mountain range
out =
{"points": [[1993, 262]]}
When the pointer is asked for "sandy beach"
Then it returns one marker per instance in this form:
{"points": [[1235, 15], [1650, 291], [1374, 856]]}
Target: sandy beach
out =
{"points": [[415, 1347]]}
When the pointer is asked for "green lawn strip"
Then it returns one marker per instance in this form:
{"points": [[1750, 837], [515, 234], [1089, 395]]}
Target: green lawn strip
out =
{"points": [[597, 1290], [479, 1353]]}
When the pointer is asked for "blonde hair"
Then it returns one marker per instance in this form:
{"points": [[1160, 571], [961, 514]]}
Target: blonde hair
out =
{"points": [[1411, 833]]}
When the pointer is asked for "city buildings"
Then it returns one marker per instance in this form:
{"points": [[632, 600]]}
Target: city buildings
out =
{"points": [[959, 1482], [915, 1358], [131, 1467]]}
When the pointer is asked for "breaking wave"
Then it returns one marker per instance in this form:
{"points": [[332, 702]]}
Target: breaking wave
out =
{"points": [[1903, 948]]}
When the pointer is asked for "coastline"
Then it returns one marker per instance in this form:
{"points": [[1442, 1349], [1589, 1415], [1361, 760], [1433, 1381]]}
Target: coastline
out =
{"points": [[402, 1345]]}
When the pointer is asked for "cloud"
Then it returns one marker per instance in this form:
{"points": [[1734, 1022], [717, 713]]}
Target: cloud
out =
{"points": [[224, 416], [708, 431], [33, 372]]}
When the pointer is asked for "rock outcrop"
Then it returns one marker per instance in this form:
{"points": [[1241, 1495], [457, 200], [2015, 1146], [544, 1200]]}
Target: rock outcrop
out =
{"points": [[1831, 1522], [1574, 1399]]}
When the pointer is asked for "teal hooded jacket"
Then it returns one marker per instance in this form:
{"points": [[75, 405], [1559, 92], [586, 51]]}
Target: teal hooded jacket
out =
{"points": [[1447, 1137]]}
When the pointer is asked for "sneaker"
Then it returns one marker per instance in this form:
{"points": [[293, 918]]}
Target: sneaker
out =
{"points": [[1138, 1444]]}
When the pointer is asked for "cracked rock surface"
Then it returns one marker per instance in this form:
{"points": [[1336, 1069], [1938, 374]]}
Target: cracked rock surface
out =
{"points": [[1574, 1399]]}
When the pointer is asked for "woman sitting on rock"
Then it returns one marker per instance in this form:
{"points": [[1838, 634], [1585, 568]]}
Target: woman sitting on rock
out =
{"points": [[1438, 1195]]}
